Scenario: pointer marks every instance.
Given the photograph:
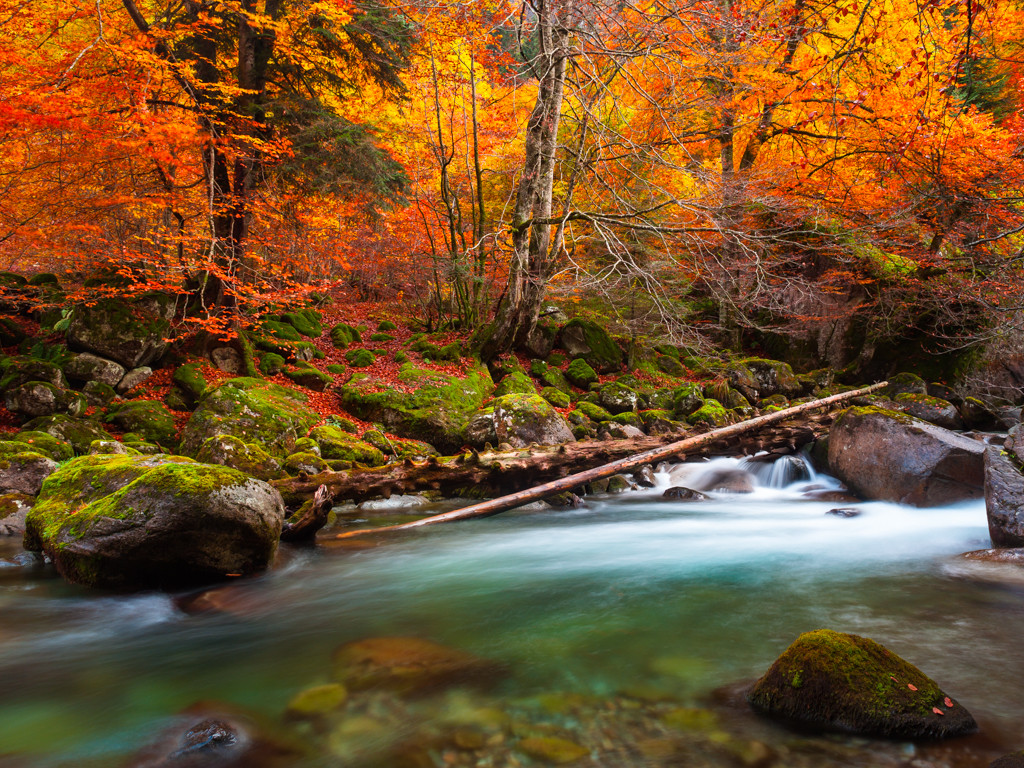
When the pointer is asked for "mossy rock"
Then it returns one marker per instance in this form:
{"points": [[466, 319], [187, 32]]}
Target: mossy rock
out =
{"points": [[78, 432], [553, 377], [229, 451], [380, 441], [132, 332], [148, 418], [451, 353], [336, 368], [345, 425], [756, 377], [401, 358], [712, 413], [280, 330], [304, 462], [143, 522], [524, 419], [335, 443], [670, 366], [630, 418], [660, 399], [588, 340], [360, 358], [686, 400], [253, 410], [111, 447], [505, 366], [271, 364], [515, 382], [668, 350], [581, 374], [41, 442], [593, 411], [189, 377], [934, 410], [381, 337], [386, 325], [310, 378], [616, 397], [836, 681], [552, 749], [99, 394], [557, 359], [344, 334], [556, 397], [905, 382], [307, 444], [306, 323], [437, 409], [40, 398], [11, 334], [15, 371]]}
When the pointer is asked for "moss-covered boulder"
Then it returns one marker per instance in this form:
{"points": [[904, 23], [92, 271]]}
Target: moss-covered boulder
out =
{"points": [[309, 377], [581, 374], [78, 432], [86, 367], [336, 443], [587, 340], [15, 371], [271, 364], [712, 413], [360, 358], [305, 463], [40, 398], [250, 458], [190, 380], [835, 681], [40, 442], [892, 456], [111, 447], [616, 398], [521, 420], [253, 410], [755, 378], [516, 382], [934, 410], [550, 376], [131, 332], [281, 330], [306, 322], [905, 382], [99, 394], [427, 405], [143, 522], [344, 334], [147, 418], [556, 397], [669, 365], [25, 472]]}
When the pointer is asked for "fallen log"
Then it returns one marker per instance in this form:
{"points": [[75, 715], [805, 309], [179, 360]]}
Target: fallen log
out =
{"points": [[673, 450], [313, 519]]}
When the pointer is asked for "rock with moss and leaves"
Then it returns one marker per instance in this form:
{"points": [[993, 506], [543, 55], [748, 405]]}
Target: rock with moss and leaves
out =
{"points": [[934, 410], [905, 383], [307, 376], [581, 374], [587, 340], [755, 378], [250, 458], [190, 380], [436, 410], [344, 334], [840, 682], [711, 413], [15, 371], [133, 332], [521, 420], [48, 445], [39, 398], [336, 443], [144, 522], [79, 433], [25, 471], [616, 398], [14, 508], [147, 418], [253, 410], [516, 382], [892, 456], [86, 367]]}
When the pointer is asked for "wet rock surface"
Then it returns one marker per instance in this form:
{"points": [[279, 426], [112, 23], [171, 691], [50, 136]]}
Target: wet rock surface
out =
{"points": [[1004, 500]]}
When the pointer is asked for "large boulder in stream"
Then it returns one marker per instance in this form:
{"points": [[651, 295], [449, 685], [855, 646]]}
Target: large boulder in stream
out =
{"points": [[1004, 500], [143, 522], [839, 682], [893, 456]]}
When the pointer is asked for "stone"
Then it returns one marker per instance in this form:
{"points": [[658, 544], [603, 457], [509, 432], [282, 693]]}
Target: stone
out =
{"points": [[111, 447], [905, 382], [644, 477], [25, 472], [39, 398], [846, 512], [524, 419], [1013, 760], [336, 443], [839, 682], [145, 522], [13, 509], [79, 433], [408, 665], [254, 411], [309, 377], [426, 405], [679, 493], [250, 458], [934, 410], [133, 378], [1002, 567], [147, 418], [588, 340], [304, 463], [618, 398], [551, 749], [892, 456], [1014, 443], [227, 359], [86, 367], [517, 383], [15, 371], [98, 394], [756, 378], [711, 413], [615, 431], [1004, 500], [581, 374], [686, 400], [725, 481], [131, 332]]}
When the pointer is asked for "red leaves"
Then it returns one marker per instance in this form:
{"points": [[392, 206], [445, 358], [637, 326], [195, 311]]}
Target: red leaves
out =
{"points": [[947, 701], [911, 687]]}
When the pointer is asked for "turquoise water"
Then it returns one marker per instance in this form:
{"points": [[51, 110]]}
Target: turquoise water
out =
{"points": [[631, 590]]}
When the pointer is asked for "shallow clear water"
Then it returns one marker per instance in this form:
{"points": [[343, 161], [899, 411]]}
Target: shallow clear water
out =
{"points": [[627, 591]]}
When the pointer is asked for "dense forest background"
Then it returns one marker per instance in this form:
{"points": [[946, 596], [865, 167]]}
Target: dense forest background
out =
{"points": [[831, 182]]}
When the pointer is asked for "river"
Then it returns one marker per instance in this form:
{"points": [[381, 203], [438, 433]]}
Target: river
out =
{"points": [[630, 592]]}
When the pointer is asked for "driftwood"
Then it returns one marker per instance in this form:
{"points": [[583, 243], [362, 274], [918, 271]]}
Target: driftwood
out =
{"points": [[568, 483], [313, 519]]}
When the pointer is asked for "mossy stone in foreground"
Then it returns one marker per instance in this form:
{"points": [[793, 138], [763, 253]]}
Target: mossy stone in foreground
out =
{"points": [[836, 681]]}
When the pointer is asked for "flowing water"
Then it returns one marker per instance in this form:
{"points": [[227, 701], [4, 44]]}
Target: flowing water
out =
{"points": [[630, 591]]}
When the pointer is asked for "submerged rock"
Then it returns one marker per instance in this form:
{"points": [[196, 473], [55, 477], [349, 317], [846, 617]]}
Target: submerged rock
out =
{"points": [[408, 665], [141, 522], [846, 512], [892, 456], [1002, 567], [841, 682], [679, 493], [1013, 760]]}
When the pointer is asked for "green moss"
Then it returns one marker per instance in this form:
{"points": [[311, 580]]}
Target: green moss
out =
{"points": [[338, 444], [344, 334], [148, 418], [515, 382], [381, 337], [304, 461], [711, 413], [360, 358], [581, 374], [686, 400], [386, 325], [311, 378], [670, 366], [557, 359], [593, 411], [54, 447], [232, 452], [629, 418], [79, 432], [306, 323], [401, 358], [556, 397], [604, 354], [279, 330], [271, 363], [190, 379]]}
